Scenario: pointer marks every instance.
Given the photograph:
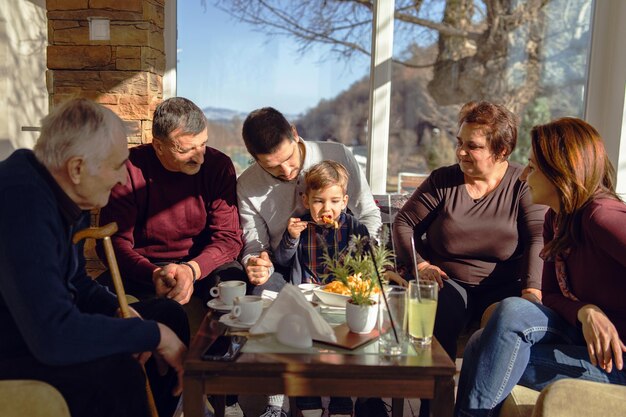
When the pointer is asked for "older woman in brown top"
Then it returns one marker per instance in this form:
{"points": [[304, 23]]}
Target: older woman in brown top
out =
{"points": [[482, 232]]}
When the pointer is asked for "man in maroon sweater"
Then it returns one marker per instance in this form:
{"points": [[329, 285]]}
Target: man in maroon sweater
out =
{"points": [[177, 212]]}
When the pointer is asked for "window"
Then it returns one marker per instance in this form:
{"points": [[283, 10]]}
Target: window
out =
{"points": [[533, 58], [229, 68]]}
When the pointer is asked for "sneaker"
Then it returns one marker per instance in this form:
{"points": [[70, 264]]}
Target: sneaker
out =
{"points": [[316, 412], [273, 411], [233, 411]]}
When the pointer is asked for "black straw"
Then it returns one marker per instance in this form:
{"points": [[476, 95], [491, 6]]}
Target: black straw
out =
{"points": [[382, 290]]}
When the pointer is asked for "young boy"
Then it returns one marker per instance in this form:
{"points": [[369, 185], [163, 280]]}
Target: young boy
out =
{"points": [[326, 227]]}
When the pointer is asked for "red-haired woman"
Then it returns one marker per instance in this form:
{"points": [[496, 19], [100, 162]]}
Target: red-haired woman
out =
{"points": [[578, 331]]}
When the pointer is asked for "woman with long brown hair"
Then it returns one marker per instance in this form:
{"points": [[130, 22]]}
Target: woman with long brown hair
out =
{"points": [[579, 330]]}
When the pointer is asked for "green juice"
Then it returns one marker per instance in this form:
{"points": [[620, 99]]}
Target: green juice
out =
{"points": [[422, 319]]}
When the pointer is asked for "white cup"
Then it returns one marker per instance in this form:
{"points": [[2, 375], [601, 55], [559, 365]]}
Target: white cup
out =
{"points": [[227, 291], [307, 290], [248, 309]]}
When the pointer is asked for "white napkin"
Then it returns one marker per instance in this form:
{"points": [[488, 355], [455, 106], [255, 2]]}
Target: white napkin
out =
{"points": [[291, 301], [269, 295]]}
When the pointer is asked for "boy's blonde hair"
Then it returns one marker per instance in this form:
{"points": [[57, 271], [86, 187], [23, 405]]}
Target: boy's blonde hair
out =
{"points": [[326, 174]]}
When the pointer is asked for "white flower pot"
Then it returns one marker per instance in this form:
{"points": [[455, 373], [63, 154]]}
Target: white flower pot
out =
{"points": [[361, 319]]}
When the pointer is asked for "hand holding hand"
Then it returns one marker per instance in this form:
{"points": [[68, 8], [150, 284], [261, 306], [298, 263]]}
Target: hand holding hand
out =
{"points": [[183, 288], [295, 227], [258, 268], [430, 272], [164, 279], [603, 342]]}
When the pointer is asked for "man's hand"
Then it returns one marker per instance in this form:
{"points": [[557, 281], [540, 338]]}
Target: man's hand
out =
{"points": [[172, 351], [430, 272], [295, 227], [174, 281], [164, 279], [603, 342], [184, 283], [258, 268]]}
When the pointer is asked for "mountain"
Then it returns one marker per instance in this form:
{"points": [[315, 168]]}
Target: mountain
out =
{"points": [[216, 114]]}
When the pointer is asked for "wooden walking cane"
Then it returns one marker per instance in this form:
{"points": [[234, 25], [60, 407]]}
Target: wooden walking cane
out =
{"points": [[105, 233]]}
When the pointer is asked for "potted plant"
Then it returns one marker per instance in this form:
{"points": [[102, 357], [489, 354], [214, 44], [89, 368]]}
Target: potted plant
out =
{"points": [[354, 268]]}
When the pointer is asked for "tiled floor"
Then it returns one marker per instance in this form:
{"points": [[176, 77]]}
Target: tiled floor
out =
{"points": [[253, 406]]}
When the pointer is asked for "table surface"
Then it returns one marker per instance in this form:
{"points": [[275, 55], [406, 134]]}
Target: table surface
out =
{"points": [[426, 374]]}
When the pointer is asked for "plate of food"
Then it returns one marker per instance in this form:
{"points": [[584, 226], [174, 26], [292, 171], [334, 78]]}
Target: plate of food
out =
{"points": [[336, 293], [333, 294]]}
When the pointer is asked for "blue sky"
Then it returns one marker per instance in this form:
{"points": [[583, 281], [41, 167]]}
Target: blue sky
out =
{"points": [[226, 64]]}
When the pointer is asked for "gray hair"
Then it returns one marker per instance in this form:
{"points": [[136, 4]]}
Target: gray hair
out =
{"points": [[177, 113], [78, 127]]}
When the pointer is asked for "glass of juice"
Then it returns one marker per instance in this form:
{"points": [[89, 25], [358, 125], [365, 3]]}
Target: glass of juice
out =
{"points": [[422, 308]]}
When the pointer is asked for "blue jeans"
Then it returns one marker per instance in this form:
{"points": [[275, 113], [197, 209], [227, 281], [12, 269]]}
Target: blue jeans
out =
{"points": [[523, 343]]}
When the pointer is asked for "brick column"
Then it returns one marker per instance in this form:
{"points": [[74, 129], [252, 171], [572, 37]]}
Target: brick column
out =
{"points": [[124, 73]]}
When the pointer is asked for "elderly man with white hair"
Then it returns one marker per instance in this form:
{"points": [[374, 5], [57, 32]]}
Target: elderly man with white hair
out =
{"points": [[57, 325]]}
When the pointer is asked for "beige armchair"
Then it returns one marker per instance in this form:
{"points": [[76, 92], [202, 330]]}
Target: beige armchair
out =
{"points": [[567, 398], [19, 398]]}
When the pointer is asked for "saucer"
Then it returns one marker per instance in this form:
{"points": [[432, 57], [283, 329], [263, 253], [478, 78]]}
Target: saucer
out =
{"points": [[216, 304], [231, 321]]}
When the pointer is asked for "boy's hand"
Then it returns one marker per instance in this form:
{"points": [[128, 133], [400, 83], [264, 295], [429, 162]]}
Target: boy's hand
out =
{"points": [[295, 227]]}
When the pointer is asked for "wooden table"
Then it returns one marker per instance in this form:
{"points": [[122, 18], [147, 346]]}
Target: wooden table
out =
{"points": [[429, 374]]}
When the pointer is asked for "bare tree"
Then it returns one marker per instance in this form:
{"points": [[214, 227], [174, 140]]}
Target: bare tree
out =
{"points": [[490, 49], [529, 55]]}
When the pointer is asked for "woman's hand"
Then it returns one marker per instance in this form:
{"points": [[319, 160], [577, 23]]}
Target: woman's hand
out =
{"points": [[392, 276], [430, 272], [603, 342], [532, 294]]}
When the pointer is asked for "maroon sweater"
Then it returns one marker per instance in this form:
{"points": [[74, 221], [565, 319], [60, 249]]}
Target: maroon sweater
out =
{"points": [[596, 266], [164, 215], [490, 241]]}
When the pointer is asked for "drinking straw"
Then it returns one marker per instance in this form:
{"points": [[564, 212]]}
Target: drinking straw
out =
{"points": [[417, 275], [382, 290]]}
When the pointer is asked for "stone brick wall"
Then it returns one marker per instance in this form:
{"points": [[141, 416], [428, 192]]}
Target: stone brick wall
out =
{"points": [[124, 73]]}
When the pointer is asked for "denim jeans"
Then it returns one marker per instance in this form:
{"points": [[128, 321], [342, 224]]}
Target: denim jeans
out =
{"points": [[337, 405], [523, 343]]}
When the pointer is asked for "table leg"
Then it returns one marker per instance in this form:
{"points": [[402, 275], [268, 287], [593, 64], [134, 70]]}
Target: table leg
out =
{"points": [[443, 403], [397, 407], [219, 404], [193, 397]]}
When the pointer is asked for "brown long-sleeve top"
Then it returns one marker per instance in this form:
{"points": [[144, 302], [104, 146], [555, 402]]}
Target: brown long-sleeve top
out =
{"points": [[488, 241], [596, 265]]}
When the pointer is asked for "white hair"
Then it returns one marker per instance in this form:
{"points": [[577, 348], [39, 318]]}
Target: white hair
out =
{"points": [[78, 127]]}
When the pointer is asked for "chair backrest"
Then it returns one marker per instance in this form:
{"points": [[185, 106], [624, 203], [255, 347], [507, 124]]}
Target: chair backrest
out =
{"points": [[23, 397]]}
